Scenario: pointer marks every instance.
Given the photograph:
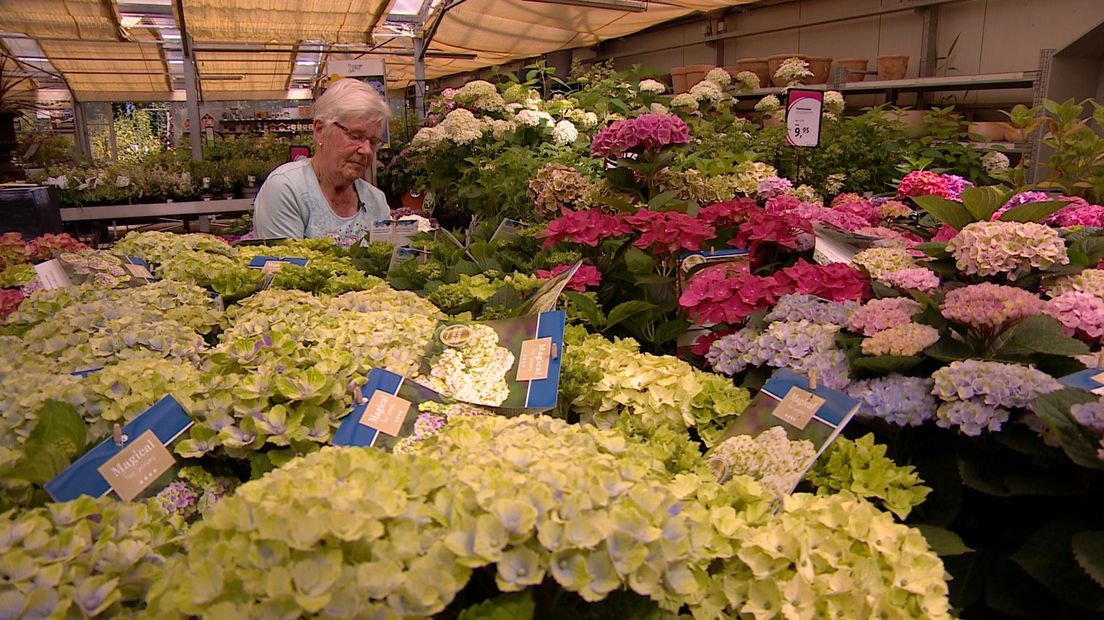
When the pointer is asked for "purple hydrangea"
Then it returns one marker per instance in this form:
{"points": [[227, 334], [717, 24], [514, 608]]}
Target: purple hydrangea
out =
{"points": [[1090, 415], [773, 186], [799, 307], [179, 498], [897, 399], [802, 346], [971, 417], [993, 383]]}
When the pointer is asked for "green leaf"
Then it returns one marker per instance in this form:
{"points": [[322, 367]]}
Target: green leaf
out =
{"points": [[954, 214], [59, 425], [669, 330], [949, 350], [637, 261], [40, 467], [622, 178], [983, 202], [1048, 557], [512, 606], [627, 309], [1032, 211], [1088, 550], [652, 278], [617, 203], [943, 541], [934, 249], [885, 364], [587, 306], [1042, 334], [1078, 443]]}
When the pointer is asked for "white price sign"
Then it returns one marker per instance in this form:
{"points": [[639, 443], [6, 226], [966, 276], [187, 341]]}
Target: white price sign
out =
{"points": [[803, 109]]}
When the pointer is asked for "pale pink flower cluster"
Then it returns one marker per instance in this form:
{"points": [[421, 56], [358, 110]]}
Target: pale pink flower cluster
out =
{"points": [[1089, 281], [1013, 248], [904, 340], [913, 279], [894, 208], [881, 261], [881, 314], [1079, 312], [989, 306]]}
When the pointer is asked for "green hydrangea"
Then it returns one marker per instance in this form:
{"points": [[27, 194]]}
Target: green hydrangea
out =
{"points": [[460, 295], [15, 276], [81, 559], [861, 467], [121, 391], [156, 247]]}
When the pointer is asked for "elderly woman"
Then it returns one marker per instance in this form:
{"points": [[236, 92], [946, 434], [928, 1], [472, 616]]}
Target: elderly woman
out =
{"points": [[326, 196]]}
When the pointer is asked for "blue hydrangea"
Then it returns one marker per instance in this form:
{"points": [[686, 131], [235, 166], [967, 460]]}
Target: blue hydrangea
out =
{"points": [[1090, 415], [799, 307], [897, 399], [971, 417], [803, 346], [993, 383]]}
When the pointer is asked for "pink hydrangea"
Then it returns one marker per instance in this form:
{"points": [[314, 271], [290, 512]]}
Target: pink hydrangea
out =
{"points": [[666, 232], [835, 282], [729, 212], [1078, 213], [773, 186], [717, 297], [588, 227], [1089, 281], [1079, 312], [858, 206], [586, 276], [648, 131], [9, 301], [925, 183], [945, 233], [912, 279], [881, 314], [815, 213], [990, 307], [904, 340], [786, 230], [1012, 248], [50, 245]]}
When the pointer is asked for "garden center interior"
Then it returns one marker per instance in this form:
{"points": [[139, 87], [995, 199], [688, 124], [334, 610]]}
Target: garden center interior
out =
{"points": [[486, 309]]}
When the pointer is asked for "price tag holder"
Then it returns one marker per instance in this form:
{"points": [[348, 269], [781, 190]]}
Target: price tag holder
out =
{"points": [[803, 113], [271, 264], [130, 468]]}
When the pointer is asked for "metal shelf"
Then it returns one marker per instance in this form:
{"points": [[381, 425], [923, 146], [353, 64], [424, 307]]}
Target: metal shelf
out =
{"points": [[984, 81], [159, 209]]}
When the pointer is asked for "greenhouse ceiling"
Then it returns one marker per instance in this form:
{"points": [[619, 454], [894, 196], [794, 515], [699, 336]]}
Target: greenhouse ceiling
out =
{"points": [[144, 50]]}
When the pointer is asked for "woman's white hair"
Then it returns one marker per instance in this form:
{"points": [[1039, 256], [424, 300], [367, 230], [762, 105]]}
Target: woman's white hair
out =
{"points": [[347, 99]]}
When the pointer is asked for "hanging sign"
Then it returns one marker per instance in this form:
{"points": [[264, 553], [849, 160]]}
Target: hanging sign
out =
{"points": [[803, 110]]}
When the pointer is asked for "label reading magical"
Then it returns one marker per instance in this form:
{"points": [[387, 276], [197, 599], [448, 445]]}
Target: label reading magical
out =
{"points": [[137, 466], [534, 359], [385, 413], [798, 407]]}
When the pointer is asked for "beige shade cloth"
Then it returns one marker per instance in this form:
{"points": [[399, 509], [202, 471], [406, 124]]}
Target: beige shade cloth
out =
{"points": [[499, 31], [92, 68], [284, 21], [69, 19], [221, 74]]}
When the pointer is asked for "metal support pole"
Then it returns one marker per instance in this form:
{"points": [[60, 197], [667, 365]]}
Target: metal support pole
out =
{"points": [[191, 87], [80, 131], [929, 52], [419, 78]]}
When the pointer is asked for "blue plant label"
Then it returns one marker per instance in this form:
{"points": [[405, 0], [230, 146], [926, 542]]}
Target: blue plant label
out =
{"points": [[87, 371], [401, 254], [395, 232], [269, 264], [1091, 380], [137, 462], [137, 267], [355, 429]]}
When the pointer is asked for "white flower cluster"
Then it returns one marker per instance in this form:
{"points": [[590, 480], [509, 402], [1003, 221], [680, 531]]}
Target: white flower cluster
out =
{"points": [[707, 91], [652, 86], [746, 80], [497, 127], [533, 118], [684, 100], [586, 120], [462, 127], [792, 71], [564, 133], [427, 138], [474, 372], [772, 458], [768, 104], [719, 76], [658, 108], [995, 163], [833, 102], [481, 95]]}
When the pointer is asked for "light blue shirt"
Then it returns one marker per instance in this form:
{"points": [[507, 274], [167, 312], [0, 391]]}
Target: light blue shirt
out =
{"points": [[290, 205]]}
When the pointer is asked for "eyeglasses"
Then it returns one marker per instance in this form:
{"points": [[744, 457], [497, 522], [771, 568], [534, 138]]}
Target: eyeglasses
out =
{"points": [[359, 139]]}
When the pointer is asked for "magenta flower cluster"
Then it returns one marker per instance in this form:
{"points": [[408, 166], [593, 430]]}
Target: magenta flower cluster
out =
{"points": [[927, 183], [881, 314], [648, 131], [990, 307]]}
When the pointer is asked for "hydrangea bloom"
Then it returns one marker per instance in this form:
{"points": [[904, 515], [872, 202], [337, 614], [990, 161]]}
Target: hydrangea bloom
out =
{"points": [[890, 238], [651, 86], [684, 100], [806, 193], [564, 132], [746, 80], [650, 131], [881, 261], [715, 297], [905, 340], [1078, 213], [178, 498], [971, 417], [881, 314], [555, 187], [785, 230], [9, 301], [474, 372], [833, 102], [729, 212], [666, 232], [1089, 281], [836, 282], [993, 383], [1089, 415], [772, 458], [814, 212], [995, 163], [803, 346], [586, 227], [481, 95], [1079, 312], [705, 91], [533, 118], [427, 138], [768, 104], [581, 118], [586, 276], [719, 76], [462, 127], [900, 400], [894, 208], [792, 71], [796, 307], [857, 205], [912, 278], [1012, 248], [773, 186], [926, 183], [990, 307]]}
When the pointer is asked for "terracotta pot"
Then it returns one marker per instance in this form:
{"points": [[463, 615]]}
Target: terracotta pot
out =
{"points": [[987, 131], [678, 79], [821, 68], [413, 199], [892, 67], [856, 68], [758, 66], [910, 118], [696, 73], [773, 62]]}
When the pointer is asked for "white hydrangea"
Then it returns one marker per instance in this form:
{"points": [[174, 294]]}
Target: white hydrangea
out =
{"points": [[481, 95], [706, 91], [684, 100], [768, 104], [658, 108], [747, 80], [61, 181], [427, 138], [719, 76], [805, 193], [122, 181], [995, 163], [533, 118], [833, 102], [581, 118], [512, 108], [498, 127], [462, 127], [834, 183], [652, 86], [564, 132]]}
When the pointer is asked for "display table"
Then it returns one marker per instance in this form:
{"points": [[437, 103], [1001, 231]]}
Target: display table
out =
{"points": [[184, 211]]}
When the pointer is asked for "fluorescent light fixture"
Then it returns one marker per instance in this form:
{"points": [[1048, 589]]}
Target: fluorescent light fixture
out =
{"points": [[632, 6], [33, 58], [306, 63], [169, 35], [176, 62]]}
